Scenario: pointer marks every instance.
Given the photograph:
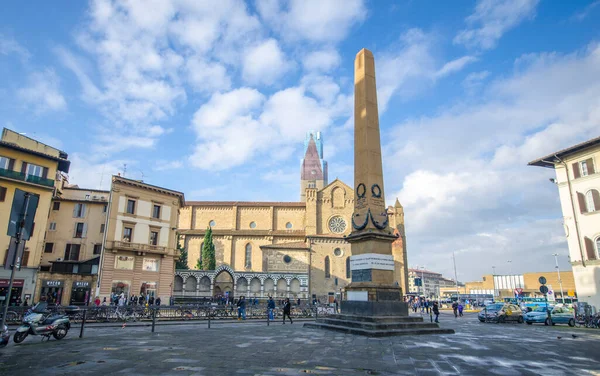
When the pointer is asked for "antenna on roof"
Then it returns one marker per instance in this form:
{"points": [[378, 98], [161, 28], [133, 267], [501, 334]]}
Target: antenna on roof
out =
{"points": [[124, 169]]}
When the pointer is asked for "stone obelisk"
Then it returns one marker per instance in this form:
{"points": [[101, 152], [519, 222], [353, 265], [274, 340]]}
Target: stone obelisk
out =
{"points": [[371, 263], [373, 305]]}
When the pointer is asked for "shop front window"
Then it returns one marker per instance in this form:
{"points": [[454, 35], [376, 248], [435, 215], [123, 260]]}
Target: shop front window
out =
{"points": [[119, 287], [148, 289]]}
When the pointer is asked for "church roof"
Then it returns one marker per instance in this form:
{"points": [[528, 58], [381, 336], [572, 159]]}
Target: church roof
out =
{"points": [[333, 183], [291, 245], [311, 165]]}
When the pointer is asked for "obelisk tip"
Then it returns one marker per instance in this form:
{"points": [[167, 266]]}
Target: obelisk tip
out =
{"points": [[365, 52]]}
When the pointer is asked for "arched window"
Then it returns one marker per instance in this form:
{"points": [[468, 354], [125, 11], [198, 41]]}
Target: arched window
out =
{"points": [[348, 267], [327, 268], [592, 200], [248, 256], [598, 247]]}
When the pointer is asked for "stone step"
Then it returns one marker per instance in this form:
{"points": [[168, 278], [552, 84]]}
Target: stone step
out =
{"points": [[394, 319], [378, 333], [376, 325]]}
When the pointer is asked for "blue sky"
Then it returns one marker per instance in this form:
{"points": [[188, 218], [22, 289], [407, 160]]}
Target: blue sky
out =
{"points": [[213, 99]]}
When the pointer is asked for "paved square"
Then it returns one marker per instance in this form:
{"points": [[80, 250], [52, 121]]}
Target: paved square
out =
{"points": [[251, 348]]}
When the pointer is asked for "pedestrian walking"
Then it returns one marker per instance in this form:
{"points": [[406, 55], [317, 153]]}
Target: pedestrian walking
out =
{"points": [[287, 307], [436, 311], [157, 301], [97, 301], [270, 308], [151, 300], [460, 309], [455, 309], [336, 305], [299, 302], [241, 304]]}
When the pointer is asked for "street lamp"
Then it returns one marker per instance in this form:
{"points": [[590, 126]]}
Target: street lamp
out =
{"points": [[562, 294], [494, 279]]}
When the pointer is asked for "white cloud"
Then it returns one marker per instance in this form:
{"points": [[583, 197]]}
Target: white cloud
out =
{"points": [[406, 70], [314, 20], [265, 63], [474, 80], [9, 46], [322, 60], [234, 127], [42, 92], [455, 66], [492, 19], [582, 15], [464, 170], [207, 77], [89, 172]]}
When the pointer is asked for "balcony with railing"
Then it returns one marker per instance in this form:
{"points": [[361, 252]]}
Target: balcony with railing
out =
{"points": [[16, 175], [138, 247]]}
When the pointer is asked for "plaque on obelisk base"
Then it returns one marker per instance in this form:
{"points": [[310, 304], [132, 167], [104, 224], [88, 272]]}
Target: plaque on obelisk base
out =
{"points": [[374, 304]]}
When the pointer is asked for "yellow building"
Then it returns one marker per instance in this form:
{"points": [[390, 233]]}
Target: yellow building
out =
{"points": [[140, 240], [281, 249], [34, 167], [69, 266], [503, 286]]}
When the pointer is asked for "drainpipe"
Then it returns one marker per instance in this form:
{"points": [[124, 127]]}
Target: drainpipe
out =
{"points": [[104, 240], [572, 207]]}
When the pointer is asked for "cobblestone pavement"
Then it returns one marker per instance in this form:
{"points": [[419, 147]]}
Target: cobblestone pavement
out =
{"points": [[251, 348]]}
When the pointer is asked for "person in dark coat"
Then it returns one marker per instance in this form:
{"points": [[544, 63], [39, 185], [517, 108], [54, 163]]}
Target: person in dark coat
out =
{"points": [[455, 309], [287, 307], [270, 308], [436, 311], [157, 301]]}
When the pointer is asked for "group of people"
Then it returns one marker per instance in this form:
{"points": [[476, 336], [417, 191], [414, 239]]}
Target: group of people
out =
{"points": [[287, 308], [122, 300]]}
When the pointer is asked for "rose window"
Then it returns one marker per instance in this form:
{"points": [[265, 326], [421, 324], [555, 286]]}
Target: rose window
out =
{"points": [[337, 225]]}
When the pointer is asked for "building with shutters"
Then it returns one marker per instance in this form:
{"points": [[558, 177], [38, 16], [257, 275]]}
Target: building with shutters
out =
{"points": [[73, 244], [280, 249], [578, 180], [140, 241], [31, 166]]}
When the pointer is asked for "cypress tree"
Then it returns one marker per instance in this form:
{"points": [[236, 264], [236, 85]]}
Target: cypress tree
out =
{"points": [[208, 261]]}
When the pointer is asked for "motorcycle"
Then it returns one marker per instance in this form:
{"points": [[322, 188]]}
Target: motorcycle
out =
{"points": [[40, 322], [4, 336]]}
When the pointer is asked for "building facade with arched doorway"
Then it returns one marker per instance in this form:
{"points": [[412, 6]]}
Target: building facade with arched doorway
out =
{"points": [[283, 249]]}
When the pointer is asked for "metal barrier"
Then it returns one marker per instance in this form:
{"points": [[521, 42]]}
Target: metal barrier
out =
{"points": [[153, 315]]}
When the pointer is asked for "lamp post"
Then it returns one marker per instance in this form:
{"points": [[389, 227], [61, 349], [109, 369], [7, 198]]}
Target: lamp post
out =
{"points": [[494, 279], [562, 294], [422, 279]]}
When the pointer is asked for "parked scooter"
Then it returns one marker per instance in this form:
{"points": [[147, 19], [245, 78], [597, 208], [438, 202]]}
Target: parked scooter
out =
{"points": [[4, 336], [40, 322]]}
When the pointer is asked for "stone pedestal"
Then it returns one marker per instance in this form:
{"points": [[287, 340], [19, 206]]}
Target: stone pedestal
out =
{"points": [[377, 326]]}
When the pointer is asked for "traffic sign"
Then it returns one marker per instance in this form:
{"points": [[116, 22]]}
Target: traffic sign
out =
{"points": [[542, 280], [544, 289], [518, 291]]}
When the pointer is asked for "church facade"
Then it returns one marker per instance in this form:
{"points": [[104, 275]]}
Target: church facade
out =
{"points": [[280, 249]]}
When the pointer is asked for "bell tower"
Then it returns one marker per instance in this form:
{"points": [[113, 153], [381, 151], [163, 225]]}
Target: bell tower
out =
{"points": [[313, 172]]}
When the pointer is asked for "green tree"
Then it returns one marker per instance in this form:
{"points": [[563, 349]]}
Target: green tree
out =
{"points": [[208, 261], [182, 261]]}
